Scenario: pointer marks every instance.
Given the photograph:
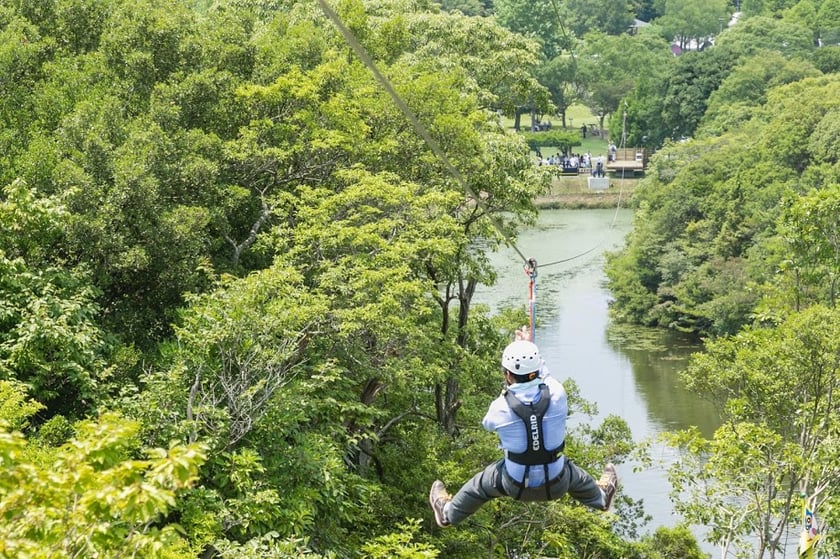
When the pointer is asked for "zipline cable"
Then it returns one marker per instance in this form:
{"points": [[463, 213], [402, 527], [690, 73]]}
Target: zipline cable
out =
{"points": [[600, 244], [530, 263], [565, 34], [415, 122]]}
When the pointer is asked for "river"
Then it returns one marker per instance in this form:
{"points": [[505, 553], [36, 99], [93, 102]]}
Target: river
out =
{"points": [[630, 372]]}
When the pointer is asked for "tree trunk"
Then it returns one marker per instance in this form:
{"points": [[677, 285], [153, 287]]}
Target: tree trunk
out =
{"points": [[447, 396], [451, 404]]}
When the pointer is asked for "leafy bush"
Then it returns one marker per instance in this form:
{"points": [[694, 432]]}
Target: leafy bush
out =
{"points": [[561, 139]]}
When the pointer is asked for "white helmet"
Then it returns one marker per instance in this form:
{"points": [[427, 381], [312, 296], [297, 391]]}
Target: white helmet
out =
{"points": [[521, 358]]}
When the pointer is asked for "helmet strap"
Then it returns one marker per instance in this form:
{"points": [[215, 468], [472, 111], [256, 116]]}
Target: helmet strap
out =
{"points": [[513, 378]]}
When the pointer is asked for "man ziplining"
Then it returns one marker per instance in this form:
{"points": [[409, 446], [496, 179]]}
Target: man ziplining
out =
{"points": [[530, 419], [533, 398]]}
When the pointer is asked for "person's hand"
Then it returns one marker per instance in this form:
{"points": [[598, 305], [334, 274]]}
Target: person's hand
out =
{"points": [[522, 333]]}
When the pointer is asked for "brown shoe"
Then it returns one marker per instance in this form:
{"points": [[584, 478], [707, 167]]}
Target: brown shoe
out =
{"points": [[438, 497], [608, 484]]}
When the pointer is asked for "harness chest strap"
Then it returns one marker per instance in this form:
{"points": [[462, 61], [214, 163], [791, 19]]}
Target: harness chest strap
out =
{"points": [[535, 453]]}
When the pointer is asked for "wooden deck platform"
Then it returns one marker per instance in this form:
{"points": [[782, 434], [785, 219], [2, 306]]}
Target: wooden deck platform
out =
{"points": [[625, 167], [628, 161]]}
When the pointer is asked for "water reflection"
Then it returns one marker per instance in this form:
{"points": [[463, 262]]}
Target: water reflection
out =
{"points": [[657, 358]]}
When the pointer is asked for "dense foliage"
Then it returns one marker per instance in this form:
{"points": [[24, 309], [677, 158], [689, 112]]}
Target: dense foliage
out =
{"points": [[750, 134], [720, 215], [736, 240], [776, 388], [236, 280]]}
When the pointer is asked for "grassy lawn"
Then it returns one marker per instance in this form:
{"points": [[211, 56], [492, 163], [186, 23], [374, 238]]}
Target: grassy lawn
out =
{"points": [[575, 116], [581, 112], [574, 193], [595, 146]]}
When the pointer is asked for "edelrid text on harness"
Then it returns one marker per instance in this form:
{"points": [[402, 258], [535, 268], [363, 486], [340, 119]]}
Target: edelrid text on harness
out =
{"points": [[535, 453]]}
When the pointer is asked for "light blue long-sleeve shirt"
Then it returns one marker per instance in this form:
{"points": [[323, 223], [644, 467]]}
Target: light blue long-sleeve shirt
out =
{"points": [[513, 434]]}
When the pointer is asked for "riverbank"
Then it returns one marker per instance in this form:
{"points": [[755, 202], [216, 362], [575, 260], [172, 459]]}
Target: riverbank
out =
{"points": [[572, 193]]}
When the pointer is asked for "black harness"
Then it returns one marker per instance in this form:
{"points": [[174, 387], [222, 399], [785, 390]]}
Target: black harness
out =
{"points": [[535, 453]]}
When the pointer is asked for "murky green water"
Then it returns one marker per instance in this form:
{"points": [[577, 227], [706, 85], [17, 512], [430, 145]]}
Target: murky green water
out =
{"points": [[631, 372]]}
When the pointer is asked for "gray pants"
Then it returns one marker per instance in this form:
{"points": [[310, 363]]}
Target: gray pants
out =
{"points": [[494, 482]]}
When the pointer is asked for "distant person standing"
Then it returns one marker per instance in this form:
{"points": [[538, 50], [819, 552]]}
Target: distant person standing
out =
{"points": [[583, 130], [613, 150], [598, 171]]}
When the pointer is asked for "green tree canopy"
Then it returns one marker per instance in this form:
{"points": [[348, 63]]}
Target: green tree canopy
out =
{"points": [[745, 89], [610, 67], [542, 20], [498, 64], [99, 494], [691, 22], [49, 335], [605, 16], [689, 85], [828, 22], [775, 387], [765, 33], [559, 76], [706, 230]]}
